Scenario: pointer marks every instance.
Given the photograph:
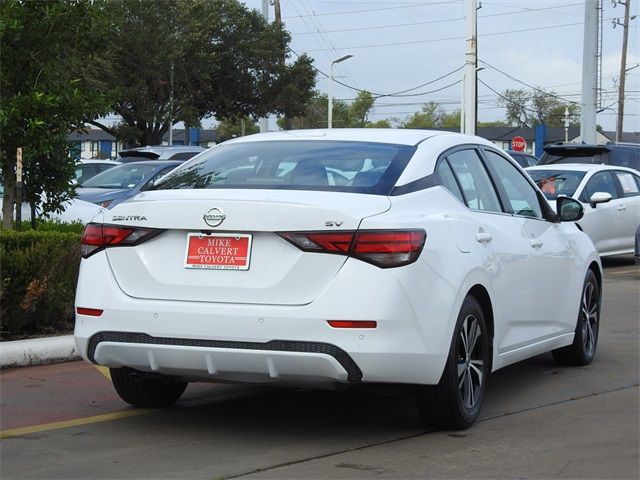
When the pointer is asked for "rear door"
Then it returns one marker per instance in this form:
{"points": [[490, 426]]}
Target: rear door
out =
{"points": [[628, 206], [546, 264]]}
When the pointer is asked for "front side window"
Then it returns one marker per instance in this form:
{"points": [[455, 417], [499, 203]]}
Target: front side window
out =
{"points": [[346, 166], [600, 182], [521, 196], [477, 189]]}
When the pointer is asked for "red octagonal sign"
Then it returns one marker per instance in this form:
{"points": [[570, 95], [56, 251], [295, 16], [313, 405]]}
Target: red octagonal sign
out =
{"points": [[518, 144]]}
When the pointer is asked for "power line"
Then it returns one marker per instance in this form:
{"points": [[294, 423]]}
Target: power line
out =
{"points": [[368, 10], [523, 83], [442, 39], [358, 29], [395, 94], [398, 25]]}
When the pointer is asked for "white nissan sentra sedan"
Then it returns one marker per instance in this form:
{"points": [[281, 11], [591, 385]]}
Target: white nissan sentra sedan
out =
{"points": [[338, 257], [611, 198]]}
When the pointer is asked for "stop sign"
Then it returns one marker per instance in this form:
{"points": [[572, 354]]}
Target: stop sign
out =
{"points": [[518, 144]]}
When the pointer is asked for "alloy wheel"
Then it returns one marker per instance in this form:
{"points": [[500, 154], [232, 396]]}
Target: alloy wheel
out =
{"points": [[589, 318], [470, 362]]}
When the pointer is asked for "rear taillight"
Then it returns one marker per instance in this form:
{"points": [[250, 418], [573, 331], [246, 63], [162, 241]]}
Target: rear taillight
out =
{"points": [[97, 236], [383, 248]]}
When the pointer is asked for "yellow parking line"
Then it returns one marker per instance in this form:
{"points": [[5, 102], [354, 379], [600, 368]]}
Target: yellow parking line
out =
{"points": [[73, 423], [104, 371]]}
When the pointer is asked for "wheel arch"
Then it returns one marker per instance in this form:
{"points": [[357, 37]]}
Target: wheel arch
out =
{"points": [[480, 293], [595, 267]]}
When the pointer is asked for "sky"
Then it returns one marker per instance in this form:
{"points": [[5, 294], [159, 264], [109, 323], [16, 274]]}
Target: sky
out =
{"points": [[400, 44]]}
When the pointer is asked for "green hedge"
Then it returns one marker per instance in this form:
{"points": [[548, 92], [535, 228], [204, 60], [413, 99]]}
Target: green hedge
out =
{"points": [[38, 276]]}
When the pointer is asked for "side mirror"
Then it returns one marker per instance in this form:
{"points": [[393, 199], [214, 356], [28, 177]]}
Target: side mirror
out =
{"points": [[569, 209], [599, 197]]}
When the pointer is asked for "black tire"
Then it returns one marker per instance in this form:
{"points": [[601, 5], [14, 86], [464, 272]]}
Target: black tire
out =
{"points": [[455, 403], [144, 391], [585, 341]]}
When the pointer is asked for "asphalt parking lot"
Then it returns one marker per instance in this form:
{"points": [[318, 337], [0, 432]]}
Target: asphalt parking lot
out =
{"points": [[539, 421]]}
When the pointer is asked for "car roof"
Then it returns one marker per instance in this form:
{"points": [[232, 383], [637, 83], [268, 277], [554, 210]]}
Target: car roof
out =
{"points": [[155, 163], [580, 167], [156, 151], [568, 148], [95, 161], [514, 152], [398, 136]]}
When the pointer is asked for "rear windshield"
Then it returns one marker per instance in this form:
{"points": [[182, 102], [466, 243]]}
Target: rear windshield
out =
{"points": [[555, 183], [343, 166]]}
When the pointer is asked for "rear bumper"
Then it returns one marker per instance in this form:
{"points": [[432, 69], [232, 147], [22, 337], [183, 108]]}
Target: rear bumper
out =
{"points": [[276, 343], [275, 360]]}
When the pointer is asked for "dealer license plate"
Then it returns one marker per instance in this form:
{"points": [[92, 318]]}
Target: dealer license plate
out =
{"points": [[222, 251]]}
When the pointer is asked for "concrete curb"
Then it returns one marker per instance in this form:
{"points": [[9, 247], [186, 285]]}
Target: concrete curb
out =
{"points": [[37, 351]]}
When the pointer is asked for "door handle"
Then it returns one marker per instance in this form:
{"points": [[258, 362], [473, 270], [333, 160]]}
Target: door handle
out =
{"points": [[483, 237], [535, 243], [621, 208]]}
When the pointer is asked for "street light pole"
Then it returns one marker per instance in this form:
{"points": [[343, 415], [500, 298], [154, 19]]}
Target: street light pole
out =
{"points": [[330, 106], [566, 124]]}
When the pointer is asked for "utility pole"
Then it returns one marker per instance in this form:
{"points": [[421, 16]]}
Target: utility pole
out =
{"points": [[589, 73], [623, 68], [277, 12], [264, 122], [470, 70], [288, 121], [19, 188]]}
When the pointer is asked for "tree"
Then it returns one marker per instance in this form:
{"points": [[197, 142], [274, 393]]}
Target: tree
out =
{"points": [[230, 128], [184, 60], [359, 110], [354, 115], [432, 115], [49, 52], [537, 107]]}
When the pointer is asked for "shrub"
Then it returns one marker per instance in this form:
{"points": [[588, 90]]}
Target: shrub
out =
{"points": [[38, 276]]}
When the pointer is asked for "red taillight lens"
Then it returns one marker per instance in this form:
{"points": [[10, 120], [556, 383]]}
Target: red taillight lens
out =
{"points": [[325, 242], [93, 312], [389, 249], [353, 323], [383, 248], [97, 236]]}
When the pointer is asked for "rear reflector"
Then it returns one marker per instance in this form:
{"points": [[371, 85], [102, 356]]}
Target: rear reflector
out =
{"points": [[383, 248], [353, 323], [93, 312], [97, 236]]}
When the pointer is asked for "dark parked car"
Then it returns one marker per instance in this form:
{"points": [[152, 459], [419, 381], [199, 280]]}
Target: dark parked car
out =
{"points": [[159, 152], [524, 159], [109, 188], [618, 154], [86, 169]]}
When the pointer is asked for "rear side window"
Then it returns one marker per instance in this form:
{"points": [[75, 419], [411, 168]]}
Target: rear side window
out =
{"points": [[361, 167], [448, 179], [474, 181], [630, 183]]}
